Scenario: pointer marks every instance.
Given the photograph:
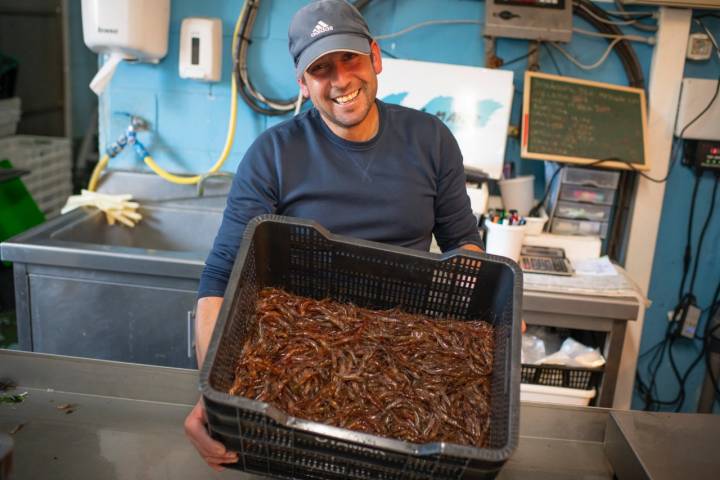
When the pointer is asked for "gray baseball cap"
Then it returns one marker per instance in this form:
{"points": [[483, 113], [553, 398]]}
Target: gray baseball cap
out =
{"points": [[323, 27]]}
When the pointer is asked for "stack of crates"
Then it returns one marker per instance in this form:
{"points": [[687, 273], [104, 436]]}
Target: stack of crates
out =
{"points": [[582, 203], [49, 160]]}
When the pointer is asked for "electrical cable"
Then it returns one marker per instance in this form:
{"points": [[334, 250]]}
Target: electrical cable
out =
{"points": [[702, 234], [583, 66], [386, 53], [639, 26], [520, 58], [624, 50], [648, 391], [552, 57], [256, 100], [627, 14], [705, 15], [709, 338], [630, 22], [673, 154], [427, 24], [687, 254], [633, 38]]}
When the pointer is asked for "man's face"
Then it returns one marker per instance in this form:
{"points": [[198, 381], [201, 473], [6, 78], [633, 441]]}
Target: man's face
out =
{"points": [[343, 85]]}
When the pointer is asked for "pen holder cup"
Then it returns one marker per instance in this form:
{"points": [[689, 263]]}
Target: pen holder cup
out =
{"points": [[504, 240]]}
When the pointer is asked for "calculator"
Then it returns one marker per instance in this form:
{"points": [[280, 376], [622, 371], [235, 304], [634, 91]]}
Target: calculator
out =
{"points": [[549, 260]]}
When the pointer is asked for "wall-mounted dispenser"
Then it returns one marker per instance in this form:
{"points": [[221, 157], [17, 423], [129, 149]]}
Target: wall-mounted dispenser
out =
{"points": [[201, 49], [125, 30]]}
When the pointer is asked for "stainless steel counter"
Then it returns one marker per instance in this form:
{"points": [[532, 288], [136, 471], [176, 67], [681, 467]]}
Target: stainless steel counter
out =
{"points": [[105, 420]]}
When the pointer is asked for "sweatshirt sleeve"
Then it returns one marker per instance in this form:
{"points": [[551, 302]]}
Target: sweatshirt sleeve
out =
{"points": [[254, 192], [455, 224]]}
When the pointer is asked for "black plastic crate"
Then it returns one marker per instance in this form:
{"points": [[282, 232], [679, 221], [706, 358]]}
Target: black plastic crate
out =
{"points": [[561, 376], [305, 259]]}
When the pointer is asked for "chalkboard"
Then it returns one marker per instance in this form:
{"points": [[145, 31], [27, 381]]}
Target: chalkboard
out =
{"points": [[579, 121]]}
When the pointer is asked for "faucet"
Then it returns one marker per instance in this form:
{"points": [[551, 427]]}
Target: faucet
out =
{"points": [[204, 178]]}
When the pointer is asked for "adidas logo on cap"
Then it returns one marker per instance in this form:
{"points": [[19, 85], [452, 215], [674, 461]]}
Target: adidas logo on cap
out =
{"points": [[321, 27]]}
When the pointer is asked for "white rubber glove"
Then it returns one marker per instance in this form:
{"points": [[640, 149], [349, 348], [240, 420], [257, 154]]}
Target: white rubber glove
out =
{"points": [[117, 208]]}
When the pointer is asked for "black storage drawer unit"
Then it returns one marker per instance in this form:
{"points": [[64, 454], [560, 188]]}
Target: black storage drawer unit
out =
{"points": [[305, 259]]}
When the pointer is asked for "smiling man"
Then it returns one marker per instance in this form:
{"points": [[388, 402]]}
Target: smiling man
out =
{"points": [[354, 164]]}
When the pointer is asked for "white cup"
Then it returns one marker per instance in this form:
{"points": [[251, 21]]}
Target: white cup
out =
{"points": [[504, 240], [518, 194]]}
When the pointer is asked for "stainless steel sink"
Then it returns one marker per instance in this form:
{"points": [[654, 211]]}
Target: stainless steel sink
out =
{"points": [[86, 288], [161, 229], [172, 238]]}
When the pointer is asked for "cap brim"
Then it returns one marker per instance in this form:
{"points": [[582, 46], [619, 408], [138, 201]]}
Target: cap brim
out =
{"points": [[332, 43]]}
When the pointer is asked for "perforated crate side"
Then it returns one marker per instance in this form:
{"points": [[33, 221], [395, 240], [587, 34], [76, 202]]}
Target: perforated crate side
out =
{"points": [[306, 260], [562, 376]]}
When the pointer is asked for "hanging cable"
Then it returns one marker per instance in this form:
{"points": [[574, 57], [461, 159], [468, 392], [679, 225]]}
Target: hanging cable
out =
{"points": [[593, 66], [687, 300], [624, 50], [255, 99], [631, 22], [640, 26], [427, 24], [633, 38]]}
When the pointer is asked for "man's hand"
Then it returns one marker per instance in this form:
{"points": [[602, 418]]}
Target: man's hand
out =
{"points": [[214, 453], [472, 247]]}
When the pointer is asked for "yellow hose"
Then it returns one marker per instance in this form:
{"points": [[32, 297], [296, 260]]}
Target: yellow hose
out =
{"points": [[95, 177], [183, 180]]}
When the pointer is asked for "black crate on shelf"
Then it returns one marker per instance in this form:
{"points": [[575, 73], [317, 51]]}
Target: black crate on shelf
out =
{"points": [[305, 259], [561, 376]]}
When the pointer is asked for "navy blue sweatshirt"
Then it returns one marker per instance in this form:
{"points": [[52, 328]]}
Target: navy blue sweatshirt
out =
{"points": [[401, 187]]}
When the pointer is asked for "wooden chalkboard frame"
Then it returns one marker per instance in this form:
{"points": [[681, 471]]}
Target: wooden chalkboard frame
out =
{"points": [[525, 153]]}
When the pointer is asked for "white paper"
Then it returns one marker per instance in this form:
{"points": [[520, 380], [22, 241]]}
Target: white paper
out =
{"points": [[594, 266], [101, 79]]}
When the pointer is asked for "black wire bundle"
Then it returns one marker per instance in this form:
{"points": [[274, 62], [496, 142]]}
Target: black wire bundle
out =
{"points": [[624, 50], [686, 299], [258, 102]]}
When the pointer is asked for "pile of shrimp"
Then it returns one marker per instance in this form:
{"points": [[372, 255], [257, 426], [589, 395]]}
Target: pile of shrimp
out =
{"points": [[388, 373]]}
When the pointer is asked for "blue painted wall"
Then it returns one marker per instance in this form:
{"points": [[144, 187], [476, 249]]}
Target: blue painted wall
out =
{"points": [[189, 119]]}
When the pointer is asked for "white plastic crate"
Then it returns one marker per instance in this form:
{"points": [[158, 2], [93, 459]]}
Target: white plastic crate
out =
{"points": [[49, 160], [557, 395]]}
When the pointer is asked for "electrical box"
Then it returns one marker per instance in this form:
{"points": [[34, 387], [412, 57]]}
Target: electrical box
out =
{"points": [[546, 20], [695, 95], [700, 47], [201, 49], [703, 155]]}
